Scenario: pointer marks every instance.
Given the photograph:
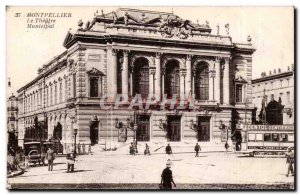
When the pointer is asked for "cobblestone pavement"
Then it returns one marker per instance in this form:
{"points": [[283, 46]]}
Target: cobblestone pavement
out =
{"points": [[208, 171]]}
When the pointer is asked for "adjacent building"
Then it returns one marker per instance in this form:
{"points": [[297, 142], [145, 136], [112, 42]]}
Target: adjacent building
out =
{"points": [[131, 52], [12, 119], [276, 91]]}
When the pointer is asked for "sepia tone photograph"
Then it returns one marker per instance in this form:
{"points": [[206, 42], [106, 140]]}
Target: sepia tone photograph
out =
{"points": [[150, 98]]}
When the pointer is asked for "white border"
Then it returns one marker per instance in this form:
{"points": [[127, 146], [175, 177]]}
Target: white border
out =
{"points": [[128, 3]]}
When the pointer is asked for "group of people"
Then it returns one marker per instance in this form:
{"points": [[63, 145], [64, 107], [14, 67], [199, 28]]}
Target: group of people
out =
{"points": [[71, 156], [15, 159], [84, 148]]}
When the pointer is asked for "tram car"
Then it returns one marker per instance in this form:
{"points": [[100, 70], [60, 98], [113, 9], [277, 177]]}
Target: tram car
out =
{"points": [[270, 140]]}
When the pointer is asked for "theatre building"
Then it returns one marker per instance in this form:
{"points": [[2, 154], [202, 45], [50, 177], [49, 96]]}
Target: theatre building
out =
{"points": [[131, 52]]}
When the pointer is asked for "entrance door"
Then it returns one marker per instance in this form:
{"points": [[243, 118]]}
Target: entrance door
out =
{"points": [[203, 129], [143, 131], [94, 132], [173, 131]]}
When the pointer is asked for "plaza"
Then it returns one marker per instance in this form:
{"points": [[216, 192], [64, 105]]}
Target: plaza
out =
{"points": [[118, 169]]}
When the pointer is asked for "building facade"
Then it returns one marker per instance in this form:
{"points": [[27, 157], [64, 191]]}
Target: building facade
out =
{"points": [[12, 119], [154, 54], [276, 91]]}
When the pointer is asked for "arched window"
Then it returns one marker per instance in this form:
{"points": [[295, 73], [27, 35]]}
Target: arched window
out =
{"points": [[172, 79], [201, 82], [141, 77]]}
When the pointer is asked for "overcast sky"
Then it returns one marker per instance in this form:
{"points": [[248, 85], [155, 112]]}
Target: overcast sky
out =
{"points": [[271, 29]]}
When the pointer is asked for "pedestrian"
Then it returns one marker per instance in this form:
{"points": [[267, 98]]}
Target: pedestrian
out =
{"points": [[197, 148], [147, 150], [83, 148], [226, 146], [167, 177], [131, 149], [43, 155], [50, 155], [168, 149], [90, 149], [11, 161], [70, 161], [290, 161], [78, 148]]}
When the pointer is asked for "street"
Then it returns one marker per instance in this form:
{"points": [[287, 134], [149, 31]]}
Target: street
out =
{"points": [[211, 170]]}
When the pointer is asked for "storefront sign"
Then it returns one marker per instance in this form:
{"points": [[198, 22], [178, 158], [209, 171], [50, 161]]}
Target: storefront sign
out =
{"points": [[269, 127]]}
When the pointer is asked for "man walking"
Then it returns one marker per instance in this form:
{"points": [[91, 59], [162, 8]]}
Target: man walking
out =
{"points": [[78, 148], [50, 157], [147, 150], [168, 149], [290, 161], [167, 177], [197, 148]]}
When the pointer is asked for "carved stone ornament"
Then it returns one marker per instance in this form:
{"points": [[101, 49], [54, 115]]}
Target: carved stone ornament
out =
{"points": [[174, 26], [95, 71]]}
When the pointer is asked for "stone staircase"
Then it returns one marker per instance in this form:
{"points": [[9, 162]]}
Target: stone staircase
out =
{"points": [[158, 147]]}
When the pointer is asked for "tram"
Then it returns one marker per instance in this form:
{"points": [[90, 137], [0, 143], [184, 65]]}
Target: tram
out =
{"points": [[262, 140]]}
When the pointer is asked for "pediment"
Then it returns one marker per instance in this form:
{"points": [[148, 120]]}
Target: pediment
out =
{"points": [[95, 71], [240, 79], [68, 38]]}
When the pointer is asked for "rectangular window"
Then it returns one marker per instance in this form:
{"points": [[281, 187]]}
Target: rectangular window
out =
{"points": [[94, 87], [51, 97], [66, 90], [291, 137], [55, 94], [60, 92], [251, 137], [238, 93], [283, 137], [74, 85], [267, 137], [288, 96], [275, 137], [47, 97]]}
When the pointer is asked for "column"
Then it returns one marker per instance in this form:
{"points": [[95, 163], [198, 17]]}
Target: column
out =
{"points": [[182, 83], [217, 80], [210, 86], [188, 84], [226, 87], [157, 76], [112, 72], [131, 82], [151, 81], [125, 74], [163, 81]]}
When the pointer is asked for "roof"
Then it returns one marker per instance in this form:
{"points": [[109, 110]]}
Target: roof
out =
{"points": [[272, 77]]}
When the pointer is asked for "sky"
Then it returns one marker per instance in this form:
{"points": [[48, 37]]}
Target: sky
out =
{"points": [[271, 29]]}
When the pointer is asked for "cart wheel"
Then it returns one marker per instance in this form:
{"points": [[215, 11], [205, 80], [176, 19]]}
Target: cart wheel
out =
{"points": [[251, 154]]}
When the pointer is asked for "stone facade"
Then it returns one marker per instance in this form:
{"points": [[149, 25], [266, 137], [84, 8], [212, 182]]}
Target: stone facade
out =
{"points": [[274, 85], [110, 49]]}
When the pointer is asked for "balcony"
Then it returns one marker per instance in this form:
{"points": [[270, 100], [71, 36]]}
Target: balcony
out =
{"points": [[12, 108], [11, 118]]}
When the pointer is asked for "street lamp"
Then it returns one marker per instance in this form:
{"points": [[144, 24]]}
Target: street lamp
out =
{"points": [[75, 134]]}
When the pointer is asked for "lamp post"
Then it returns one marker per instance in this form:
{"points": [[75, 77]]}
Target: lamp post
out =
{"points": [[75, 134]]}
